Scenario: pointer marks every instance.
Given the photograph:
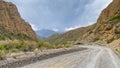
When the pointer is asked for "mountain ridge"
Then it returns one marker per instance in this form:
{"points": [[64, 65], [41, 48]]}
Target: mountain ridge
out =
{"points": [[46, 33]]}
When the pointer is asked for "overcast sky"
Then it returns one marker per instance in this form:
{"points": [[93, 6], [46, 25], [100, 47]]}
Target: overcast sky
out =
{"points": [[60, 15]]}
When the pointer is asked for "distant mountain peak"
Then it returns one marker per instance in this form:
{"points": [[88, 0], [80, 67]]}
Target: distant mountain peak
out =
{"points": [[46, 33]]}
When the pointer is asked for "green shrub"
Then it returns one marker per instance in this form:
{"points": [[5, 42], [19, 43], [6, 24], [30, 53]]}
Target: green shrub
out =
{"points": [[2, 51], [110, 40], [2, 47], [64, 43], [115, 18], [14, 46], [26, 46], [22, 42], [96, 39], [40, 44], [2, 37]]}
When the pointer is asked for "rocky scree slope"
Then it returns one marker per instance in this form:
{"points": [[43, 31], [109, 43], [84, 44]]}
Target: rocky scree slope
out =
{"points": [[12, 26]]}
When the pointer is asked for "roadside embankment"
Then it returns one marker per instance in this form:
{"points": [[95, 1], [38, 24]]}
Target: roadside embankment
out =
{"points": [[21, 59]]}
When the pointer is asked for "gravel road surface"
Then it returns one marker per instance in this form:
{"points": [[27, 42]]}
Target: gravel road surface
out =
{"points": [[92, 57]]}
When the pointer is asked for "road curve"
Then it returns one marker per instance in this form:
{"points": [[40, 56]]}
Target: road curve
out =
{"points": [[92, 57]]}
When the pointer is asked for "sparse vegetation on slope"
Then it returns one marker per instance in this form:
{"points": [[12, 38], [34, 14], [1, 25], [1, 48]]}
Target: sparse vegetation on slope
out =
{"points": [[115, 18], [69, 37], [13, 46], [10, 46]]}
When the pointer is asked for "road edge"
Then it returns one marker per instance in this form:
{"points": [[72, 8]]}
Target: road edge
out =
{"points": [[33, 59]]}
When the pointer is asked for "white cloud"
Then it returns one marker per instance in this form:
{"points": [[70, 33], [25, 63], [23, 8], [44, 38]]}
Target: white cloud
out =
{"points": [[34, 27], [55, 29], [98, 5], [72, 28]]}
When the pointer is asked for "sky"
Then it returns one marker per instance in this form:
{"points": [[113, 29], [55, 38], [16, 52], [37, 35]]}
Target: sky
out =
{"points": [[60, 15]]}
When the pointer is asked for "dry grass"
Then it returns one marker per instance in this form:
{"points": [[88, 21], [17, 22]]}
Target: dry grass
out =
{"points": [[10, 46]]}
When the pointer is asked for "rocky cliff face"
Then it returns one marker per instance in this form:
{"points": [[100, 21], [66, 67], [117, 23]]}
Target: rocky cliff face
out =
{"points": [[12, 23], [110, 11], [108, 25]]}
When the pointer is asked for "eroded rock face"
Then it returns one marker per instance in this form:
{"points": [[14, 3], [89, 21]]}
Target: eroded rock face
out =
{"points": [[11, 21], [107, 26], [110, 11]]}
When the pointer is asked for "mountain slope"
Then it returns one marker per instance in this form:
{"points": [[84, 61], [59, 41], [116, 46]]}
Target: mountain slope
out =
{"points": [[107, 26], [12, 26], [72, 35]]}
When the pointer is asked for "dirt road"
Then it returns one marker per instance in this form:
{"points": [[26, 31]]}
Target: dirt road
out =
{"points": [[92, 57]]}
